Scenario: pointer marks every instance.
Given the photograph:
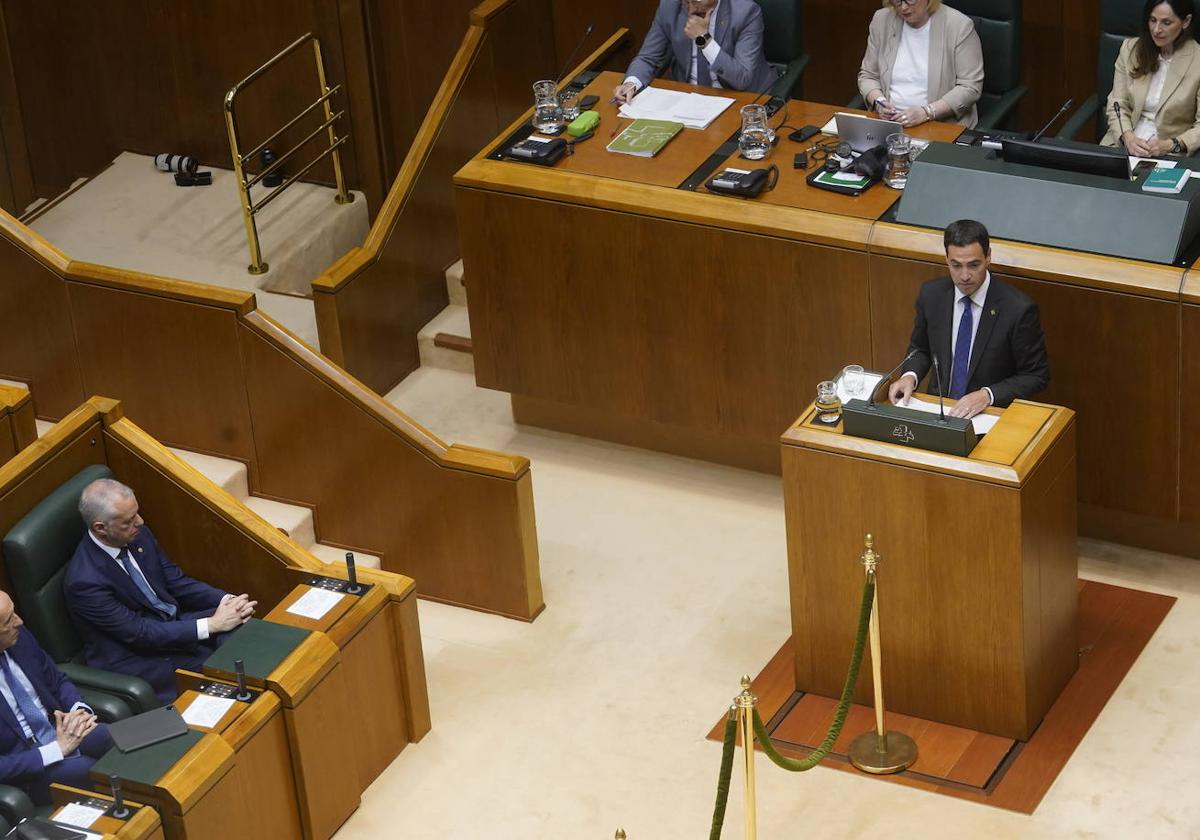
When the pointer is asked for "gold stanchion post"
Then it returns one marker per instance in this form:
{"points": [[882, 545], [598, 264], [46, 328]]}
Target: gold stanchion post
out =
{"points": [[879, 751], [745, 703]]}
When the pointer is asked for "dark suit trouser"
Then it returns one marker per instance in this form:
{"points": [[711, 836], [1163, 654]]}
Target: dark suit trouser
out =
{"points": [[73, 769]]}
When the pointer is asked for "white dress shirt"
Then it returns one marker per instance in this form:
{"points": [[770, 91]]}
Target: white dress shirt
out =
{"points": [[977, 301], [1147, 126], [711, 50], [52, 752], [910, 73], [201, 623]]}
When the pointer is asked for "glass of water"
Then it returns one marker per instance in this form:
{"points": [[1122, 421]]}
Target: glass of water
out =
{"points": [[899, 148], [569, 101], [547, 110], [756, 138], [852, 378], [829, 406]]}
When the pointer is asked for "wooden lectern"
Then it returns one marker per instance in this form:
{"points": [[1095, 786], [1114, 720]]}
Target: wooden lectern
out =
{"points": [[978, 588]]}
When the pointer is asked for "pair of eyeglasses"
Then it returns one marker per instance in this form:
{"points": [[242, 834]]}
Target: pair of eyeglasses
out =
{"points": [[904, 3]]}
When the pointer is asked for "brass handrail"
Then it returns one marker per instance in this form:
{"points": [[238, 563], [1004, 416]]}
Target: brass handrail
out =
{"points": [[249, 207]]}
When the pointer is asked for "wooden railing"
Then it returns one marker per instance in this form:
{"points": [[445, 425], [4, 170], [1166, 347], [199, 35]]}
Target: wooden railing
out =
{"points": [[210, 534], [372, 303], [17, 426], [202, 369]]}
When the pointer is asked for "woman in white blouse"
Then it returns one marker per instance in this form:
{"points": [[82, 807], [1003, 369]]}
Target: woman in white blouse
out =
{"points": [[923, 62], [1156, 85]]}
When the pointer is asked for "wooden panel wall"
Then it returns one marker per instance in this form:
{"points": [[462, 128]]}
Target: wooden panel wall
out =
{"points": [[37, 342], [149, 76]]}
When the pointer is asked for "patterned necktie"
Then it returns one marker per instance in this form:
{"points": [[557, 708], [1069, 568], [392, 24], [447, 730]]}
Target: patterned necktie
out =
{"points": [[703, 73], [139, 580], [35, 718], [962, 352]]}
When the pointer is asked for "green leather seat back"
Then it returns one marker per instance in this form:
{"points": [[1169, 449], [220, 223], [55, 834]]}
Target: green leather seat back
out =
{"points": [[1119, 21], [36, 552], [783, 30], [998, 23]]}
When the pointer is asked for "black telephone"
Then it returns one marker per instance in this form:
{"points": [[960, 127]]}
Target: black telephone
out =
{"points": [[537, 150], [743, 183]]}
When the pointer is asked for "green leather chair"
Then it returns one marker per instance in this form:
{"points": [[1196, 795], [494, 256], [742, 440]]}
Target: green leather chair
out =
{"points": [[998, 23], [36, 552], [783, 43], [15, 805], [1119, 19]]}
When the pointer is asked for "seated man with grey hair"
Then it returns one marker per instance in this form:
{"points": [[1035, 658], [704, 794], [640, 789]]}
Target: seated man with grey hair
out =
{"points": [[137, 612]]}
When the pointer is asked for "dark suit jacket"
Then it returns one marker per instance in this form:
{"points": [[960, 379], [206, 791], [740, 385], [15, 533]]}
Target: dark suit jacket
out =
{"points": [[120, 630], [1009, 353], [18, 760], [738, 30]]}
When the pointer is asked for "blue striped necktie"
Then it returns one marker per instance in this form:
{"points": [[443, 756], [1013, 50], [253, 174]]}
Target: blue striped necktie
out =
{"points": [[36, 719], [962, 352], [139, 580]]}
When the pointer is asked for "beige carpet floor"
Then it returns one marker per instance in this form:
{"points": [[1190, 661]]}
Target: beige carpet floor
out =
{"points": [[133, 216], [665, 580]]}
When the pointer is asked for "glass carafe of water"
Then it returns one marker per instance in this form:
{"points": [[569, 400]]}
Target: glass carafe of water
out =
{"points": [[547, 110], [756, 138], [899, 148]]}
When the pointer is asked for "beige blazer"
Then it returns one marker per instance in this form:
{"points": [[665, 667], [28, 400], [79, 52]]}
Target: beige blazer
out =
{"points": [[955, 59], [1180, 105]]}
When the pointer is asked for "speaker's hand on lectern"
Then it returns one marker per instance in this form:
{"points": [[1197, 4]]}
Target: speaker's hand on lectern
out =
{"points": [[901, 390], [971, 404]]}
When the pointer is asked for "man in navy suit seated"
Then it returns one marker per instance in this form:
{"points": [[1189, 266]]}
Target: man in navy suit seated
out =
{"points": [[137, 612], [48, 734]]}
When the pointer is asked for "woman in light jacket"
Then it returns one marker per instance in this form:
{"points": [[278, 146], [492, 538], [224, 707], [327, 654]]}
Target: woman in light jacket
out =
{"points": [[1156, 85], [923, 62]]}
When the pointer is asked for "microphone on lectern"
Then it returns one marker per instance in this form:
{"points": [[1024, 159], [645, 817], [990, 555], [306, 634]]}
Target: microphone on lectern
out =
{"points": [[574, 52], [941, 391], [871, 396], [351, 575], [1054, 119], [239, 667]]}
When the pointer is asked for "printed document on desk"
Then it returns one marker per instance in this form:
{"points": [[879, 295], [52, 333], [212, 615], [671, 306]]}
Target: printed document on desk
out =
{"points": [[694, 110]]}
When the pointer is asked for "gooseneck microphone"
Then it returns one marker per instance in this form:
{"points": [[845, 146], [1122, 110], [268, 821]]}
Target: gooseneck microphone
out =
{"points": [[937, 369], [351, 575], [1120, 121], [567, 65], [239, 667], [118, 809], [1054, 119], [871, 396]]}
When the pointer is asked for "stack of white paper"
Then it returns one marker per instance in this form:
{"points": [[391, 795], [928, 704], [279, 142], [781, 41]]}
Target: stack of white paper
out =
{"points": [[982, 422], [694, 110]]}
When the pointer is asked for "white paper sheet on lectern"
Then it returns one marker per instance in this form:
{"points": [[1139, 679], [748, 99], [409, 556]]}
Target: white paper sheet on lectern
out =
{"points": [[205, 711], [76, 814], [982, 422], [315, 603]]}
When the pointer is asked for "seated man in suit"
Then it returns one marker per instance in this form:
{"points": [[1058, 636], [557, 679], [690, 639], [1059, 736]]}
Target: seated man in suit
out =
{"points": [[137, 612], [713, 43], [985, 334], [49, 733]]}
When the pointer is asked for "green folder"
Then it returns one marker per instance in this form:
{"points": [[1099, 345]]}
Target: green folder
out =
{"points": [[149, 764], [262, 644], [645, 138]]}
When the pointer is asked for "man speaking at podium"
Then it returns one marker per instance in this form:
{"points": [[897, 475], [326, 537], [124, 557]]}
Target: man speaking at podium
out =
{"points": [[985, 334], [711, 43]]}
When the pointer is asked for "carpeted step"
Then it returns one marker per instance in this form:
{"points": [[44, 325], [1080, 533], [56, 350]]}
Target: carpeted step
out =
{"points": [[226, 473], [293, 520], [453, 323], [454, 284]]}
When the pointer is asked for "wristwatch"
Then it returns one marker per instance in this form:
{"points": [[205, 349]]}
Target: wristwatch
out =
{"points": [[1177, 147], [702, 40]]}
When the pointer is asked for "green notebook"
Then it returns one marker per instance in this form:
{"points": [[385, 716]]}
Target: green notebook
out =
{"points": [[1162, 180], [645, 138]]}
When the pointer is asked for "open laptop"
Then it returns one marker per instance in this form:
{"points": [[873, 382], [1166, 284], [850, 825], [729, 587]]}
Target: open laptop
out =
{"points": [[863, 133]]}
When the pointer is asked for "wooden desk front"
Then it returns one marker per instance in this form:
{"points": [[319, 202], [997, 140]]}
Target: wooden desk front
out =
{"points": [[978, 582], [700, 324], [143, 822]]}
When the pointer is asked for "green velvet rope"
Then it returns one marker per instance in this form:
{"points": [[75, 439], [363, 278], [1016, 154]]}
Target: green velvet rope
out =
{"points": [[764, 738], [718, 820], [843, 707]]}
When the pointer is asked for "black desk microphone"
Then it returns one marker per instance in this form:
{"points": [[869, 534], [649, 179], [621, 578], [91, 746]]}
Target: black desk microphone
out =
{"points": [[118, 809], [239, 667], [871, 396], [352, 576], [937, 369]]}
